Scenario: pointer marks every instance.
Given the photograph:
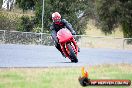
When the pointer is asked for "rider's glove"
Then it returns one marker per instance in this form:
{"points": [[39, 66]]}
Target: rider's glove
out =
{"points": [[73, 32]]}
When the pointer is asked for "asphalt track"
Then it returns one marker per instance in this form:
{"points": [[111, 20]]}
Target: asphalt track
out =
{"points": [[12, 55]]}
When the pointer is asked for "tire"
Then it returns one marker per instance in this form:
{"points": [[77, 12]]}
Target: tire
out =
{"points": [[72, 55]]}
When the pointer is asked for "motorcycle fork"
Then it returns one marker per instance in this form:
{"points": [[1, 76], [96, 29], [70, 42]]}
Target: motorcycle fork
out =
{"points": [[64, 49], [75, 47]]}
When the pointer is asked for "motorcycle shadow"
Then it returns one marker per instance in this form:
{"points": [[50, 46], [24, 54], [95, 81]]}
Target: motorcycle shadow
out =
{"points": [[66, 62]]}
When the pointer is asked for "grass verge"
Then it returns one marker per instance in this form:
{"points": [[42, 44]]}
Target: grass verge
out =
{"points": [[61, 77]]}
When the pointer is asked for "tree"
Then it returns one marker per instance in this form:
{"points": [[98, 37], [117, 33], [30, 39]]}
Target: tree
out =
{"points": [[75, 11], [25, 4], [1, 2], [113, 13], [26, 24]]}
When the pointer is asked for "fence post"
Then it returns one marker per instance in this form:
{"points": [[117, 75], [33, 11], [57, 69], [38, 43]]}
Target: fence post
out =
{"points": [[4, 37], [41, 38], [123, 44]]}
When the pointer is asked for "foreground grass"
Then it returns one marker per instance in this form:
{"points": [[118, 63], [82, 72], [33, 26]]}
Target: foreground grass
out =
{"points": [[60, 77]]}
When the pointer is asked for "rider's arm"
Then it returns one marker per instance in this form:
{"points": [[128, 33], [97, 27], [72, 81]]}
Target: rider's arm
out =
{"points": [[69, 26], [53, 33], [51, 27]]}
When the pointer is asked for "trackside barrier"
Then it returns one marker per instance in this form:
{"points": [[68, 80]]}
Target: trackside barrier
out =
{"points": [[16, 37]]}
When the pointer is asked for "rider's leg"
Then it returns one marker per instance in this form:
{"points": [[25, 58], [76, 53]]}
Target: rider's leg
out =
{"points": [[56, 43], [54, 37], [59, 48]]}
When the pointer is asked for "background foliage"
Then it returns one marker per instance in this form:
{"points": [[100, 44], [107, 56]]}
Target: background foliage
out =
{"points": [[113, 13], [70, 10], [108, 14]]}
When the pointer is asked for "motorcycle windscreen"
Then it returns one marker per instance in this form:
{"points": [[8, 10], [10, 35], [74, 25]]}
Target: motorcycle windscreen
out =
{"points": [[64, 35]]}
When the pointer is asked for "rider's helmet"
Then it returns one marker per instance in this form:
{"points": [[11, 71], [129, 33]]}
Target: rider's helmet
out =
{"points": [[56, 17]]}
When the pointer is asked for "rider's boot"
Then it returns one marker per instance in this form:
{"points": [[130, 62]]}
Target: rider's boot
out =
{"points": [[63, 54], [78, 49]]}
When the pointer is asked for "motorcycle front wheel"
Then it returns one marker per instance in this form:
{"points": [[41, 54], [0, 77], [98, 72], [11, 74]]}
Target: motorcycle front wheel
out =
{"points": [[72, 54]]}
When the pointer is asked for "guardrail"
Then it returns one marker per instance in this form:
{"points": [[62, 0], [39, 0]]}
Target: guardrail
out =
{"points": [[16, 37]]}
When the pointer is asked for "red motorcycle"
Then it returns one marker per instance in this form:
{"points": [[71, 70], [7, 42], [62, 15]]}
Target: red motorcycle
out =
{"points": [[68, 44]]}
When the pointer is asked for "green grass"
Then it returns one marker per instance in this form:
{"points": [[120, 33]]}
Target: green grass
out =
{"points": [[61, 77]]}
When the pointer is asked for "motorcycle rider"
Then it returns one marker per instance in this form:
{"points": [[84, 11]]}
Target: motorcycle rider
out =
{"points": [[57, 24]]}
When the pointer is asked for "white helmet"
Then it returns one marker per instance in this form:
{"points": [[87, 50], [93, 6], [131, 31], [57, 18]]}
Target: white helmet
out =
{"points": [[56, 17]]}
